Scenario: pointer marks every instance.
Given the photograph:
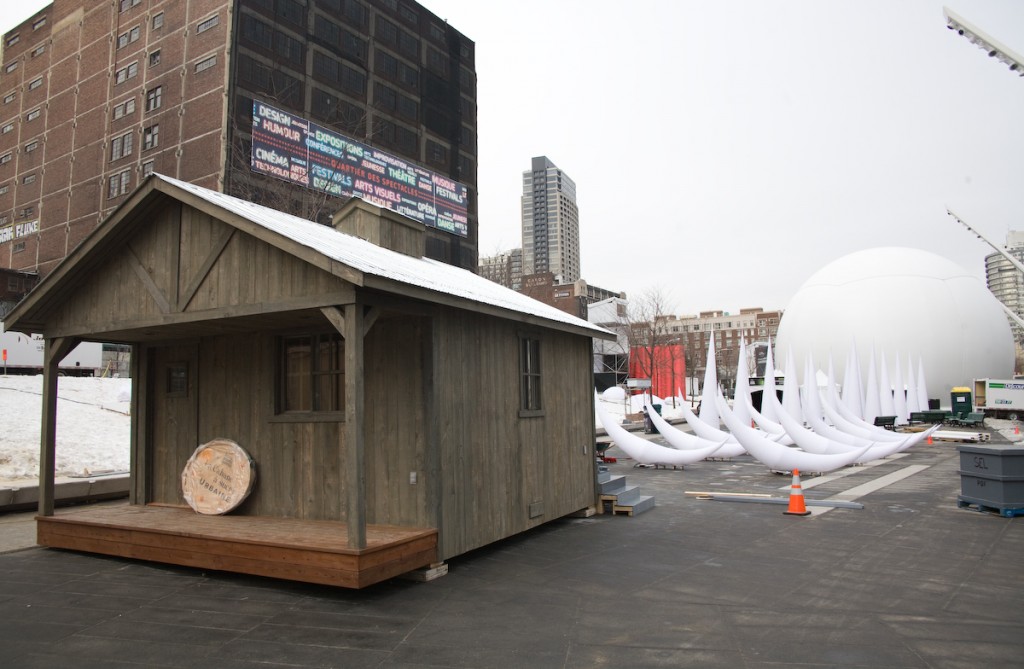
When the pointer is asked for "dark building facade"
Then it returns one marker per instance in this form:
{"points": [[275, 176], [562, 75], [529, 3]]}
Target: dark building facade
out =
{"points": [[95, 95]]}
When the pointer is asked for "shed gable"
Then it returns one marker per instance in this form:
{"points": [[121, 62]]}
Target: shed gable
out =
{"points": [[182, 265]]}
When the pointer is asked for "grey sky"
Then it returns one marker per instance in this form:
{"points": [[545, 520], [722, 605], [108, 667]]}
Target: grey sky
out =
{"points": [[725, 151], [728, 150]]}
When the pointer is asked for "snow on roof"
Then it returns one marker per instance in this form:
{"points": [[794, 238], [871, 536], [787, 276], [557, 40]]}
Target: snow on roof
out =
{"points": [[369, 258]]}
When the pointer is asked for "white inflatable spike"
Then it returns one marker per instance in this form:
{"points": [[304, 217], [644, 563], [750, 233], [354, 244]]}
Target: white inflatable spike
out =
{"points": [[847, 422], [885, 402], [685, 441], [708, 410], [853, 394], [647, 452], [782, 458], [899, 397], [769, 385], [913, 401], [790, 387], [872, 406], [742, 387]]}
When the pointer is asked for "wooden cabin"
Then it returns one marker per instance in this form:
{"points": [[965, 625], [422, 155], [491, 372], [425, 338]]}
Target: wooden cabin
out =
{"points": [[398, 411]]}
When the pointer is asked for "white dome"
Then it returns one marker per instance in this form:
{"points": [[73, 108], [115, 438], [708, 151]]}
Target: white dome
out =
{"points": [[905, 302]]}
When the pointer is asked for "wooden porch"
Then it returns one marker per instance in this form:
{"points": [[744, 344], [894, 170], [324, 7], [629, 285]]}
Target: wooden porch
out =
{"points": [[313, 551]]}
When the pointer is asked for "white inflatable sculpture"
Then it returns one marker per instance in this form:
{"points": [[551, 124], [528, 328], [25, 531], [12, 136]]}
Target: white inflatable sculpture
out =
{"points": [[647, 452]]}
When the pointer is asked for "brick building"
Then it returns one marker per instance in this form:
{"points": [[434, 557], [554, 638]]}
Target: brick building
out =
{"points": [[96, 94], [753, 326]]}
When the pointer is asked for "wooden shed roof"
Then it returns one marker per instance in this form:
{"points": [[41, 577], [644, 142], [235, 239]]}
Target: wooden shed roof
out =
{"points": [[351, 258]]}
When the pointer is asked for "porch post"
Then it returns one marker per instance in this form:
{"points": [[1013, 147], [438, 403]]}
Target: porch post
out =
{"points": [[354, 431], [54, 352]]}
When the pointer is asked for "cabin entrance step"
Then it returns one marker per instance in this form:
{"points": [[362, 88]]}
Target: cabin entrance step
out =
{"points": [[618, 498]]}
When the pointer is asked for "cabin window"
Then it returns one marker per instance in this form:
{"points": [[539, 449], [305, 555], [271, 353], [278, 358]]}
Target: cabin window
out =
{"points": [[312, 373], [177, 379], [529, 377]]}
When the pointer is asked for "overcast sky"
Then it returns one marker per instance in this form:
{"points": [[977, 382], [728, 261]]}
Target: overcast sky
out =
{"points": [[725, 151]]}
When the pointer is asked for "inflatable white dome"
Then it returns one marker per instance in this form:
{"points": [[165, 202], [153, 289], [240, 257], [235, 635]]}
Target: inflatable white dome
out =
{"points": [[900, 301]]}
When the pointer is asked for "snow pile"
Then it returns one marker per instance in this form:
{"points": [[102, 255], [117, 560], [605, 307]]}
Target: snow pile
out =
{"points": [[93, 426]]}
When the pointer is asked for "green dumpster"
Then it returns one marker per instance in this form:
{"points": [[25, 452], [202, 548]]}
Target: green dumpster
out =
{"points": [[961, 401]]}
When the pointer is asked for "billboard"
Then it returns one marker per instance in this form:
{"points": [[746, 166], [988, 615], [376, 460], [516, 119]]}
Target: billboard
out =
{"points": [[292, 148]]}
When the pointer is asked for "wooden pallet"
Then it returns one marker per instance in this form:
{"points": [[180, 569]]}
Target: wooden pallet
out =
{"points": [[980, 506]]}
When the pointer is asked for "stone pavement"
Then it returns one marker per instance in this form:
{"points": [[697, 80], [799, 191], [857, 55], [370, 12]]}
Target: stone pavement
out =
{"points": [[908, 581]]}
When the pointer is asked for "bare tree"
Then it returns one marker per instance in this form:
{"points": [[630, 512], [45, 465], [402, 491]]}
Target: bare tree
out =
{"points": [[726, 360], [647, 330]]}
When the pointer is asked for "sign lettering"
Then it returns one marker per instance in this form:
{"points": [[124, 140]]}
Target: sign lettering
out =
{"points": [[299, 151]]}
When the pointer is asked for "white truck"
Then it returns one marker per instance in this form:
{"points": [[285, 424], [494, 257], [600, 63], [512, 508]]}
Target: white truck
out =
{"points": [[1000, 398], [23, 354]]}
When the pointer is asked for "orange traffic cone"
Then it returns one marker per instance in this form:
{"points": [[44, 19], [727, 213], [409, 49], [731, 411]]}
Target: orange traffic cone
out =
{"points": [[929, 440], [796, 498]]}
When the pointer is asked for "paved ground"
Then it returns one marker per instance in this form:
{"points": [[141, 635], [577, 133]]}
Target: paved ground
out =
{"points": [[910, 580]]}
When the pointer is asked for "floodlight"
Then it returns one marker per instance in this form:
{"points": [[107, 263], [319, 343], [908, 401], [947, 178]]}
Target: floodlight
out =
{"points": [[975, 36]]}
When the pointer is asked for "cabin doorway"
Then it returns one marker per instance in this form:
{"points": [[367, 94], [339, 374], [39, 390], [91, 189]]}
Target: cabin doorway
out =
{"points": [[173, 394]]}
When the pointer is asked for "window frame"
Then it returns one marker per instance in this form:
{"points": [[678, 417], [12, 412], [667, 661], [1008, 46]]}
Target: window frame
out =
{"points": [[312, 375], [531, 378], [154, 98], [151, 137]]}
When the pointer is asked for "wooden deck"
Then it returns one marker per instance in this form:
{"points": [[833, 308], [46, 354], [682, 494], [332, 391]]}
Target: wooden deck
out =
{"points": [[298, 550]]}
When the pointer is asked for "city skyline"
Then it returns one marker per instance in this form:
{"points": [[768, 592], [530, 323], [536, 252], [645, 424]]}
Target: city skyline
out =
{"points": [[728, 151]]}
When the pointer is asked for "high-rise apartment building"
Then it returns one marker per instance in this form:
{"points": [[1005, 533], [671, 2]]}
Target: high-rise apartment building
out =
{"points": [[551, 222], [97, 94], [1007, 282]]}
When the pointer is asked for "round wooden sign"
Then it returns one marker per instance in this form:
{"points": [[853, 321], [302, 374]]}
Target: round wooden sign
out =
{"points": [[218, 477]]}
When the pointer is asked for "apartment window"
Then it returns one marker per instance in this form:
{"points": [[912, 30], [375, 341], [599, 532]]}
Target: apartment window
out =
{"points": [[126, 38], [125, 108], [38, 51], [154, 58], [312, 373], [436, 153], [3, 191], [151, 137], [39, 23], [125, 5], [28, 179], [18, 247], [147, 168], [207, 24], [126, 73], [6, 158], [35, 83], [121, 146], [11, 67], [258, 32], [206, 64], [34, 114], [158, 21], [154, 98], [13, 39], [9, 98], [290, 11], [7, 128], [119, 183], [529, 376], [26, 212], [32, 146]]}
